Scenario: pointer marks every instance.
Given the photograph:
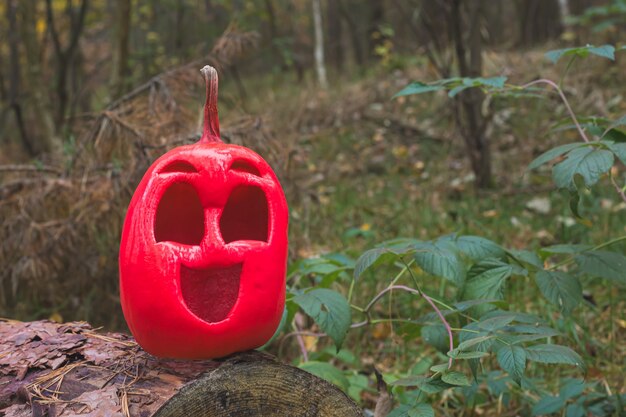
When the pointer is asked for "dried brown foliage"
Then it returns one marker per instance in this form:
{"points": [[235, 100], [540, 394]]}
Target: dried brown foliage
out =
{"points": [[234, 44], [60, 224]]}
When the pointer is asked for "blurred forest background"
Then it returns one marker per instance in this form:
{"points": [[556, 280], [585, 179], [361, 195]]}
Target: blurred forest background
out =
{"points": [[92, 91]]}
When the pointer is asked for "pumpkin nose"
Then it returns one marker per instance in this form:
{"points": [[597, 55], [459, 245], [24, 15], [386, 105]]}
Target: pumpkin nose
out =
{"points": [[179, 216]]}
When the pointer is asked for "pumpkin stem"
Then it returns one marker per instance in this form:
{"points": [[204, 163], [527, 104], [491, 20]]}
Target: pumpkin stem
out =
{"points": [[211, 131]]}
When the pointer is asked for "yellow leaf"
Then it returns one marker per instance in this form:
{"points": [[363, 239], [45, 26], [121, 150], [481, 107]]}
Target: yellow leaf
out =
{"points": [[381, 331], [40, 26], [490, 214], [310, 343], [56, 317]]}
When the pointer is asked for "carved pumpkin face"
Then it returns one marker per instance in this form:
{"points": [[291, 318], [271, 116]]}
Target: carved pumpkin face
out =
{"points": [[203, 253]]}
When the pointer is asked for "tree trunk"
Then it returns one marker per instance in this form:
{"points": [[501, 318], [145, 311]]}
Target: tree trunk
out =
{"points": [[468, 104], [65, 56], [15, 76], [354, 33], [320, 67], [69, 370], [179, 36], [335, 47], [40, 103], [119, 81], [540, 20]]}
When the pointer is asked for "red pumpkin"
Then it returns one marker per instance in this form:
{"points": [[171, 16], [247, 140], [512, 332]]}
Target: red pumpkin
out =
{"points": [[204, 248]]}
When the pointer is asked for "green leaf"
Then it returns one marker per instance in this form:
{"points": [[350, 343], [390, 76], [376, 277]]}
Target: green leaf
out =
{"points": [[400, 411], [421, 410], [418, 88], [565, 249], [554, 354], [442, 367], [428, 385], [494, 323], [603, 264], [589, 162], [547, 405], [485, 280], [560, 288], [456, 90], [513, 360], [436, 336], [434, 385], [473, 342], [575, 410], [604, 51], [517, 339], [439, 259], [410, 381], [526, 258], [494, 82], [618, 149], [374, 257], [455, 354], [329, 309], [358, 384], [572, 388], [517, 316], [467, 304], [543, 331], [479, 248], [455, 378], [328, 372]]}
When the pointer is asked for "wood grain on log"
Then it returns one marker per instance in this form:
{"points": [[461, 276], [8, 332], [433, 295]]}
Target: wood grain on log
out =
{"points": [[49, 369]]}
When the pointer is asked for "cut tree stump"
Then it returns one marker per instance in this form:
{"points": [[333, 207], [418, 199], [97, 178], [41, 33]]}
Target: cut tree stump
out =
{"points": [[59, 370]]}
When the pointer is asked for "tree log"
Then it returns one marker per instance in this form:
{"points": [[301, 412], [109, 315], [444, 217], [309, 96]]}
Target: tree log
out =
{"points": [[50, 369]]}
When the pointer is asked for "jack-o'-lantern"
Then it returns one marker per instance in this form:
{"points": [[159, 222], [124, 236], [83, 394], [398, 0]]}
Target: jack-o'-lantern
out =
{"points": [[204, 248]]}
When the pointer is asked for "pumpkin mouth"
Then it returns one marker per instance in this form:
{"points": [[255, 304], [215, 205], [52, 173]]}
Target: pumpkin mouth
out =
{"points": [[210, 293]]}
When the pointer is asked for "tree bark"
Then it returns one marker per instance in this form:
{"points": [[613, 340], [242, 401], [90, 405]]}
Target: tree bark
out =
{"points": [[65, 56], [119, 83], [354, 33], [468, 104], [320, 66], [15, 76], [70, 369], [40, 103], [540, 20], [335, 47]]}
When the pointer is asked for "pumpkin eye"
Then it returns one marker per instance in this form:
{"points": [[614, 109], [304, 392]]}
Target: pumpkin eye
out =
{"points": [[179, 216], [245, 215], [179, 166], [245, 166]]}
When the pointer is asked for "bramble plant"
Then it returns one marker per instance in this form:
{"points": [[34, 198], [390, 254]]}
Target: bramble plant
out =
{"points": [[475, 327]]}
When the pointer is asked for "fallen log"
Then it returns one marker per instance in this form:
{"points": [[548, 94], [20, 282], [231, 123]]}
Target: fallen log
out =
{"points": [[58, 370]]}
